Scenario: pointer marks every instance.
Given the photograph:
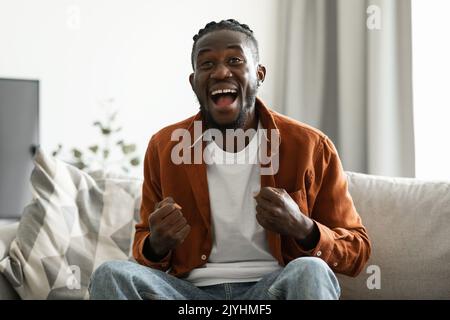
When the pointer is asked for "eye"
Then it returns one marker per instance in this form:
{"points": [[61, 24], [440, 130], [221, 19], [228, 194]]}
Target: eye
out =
{"points": [[235, 61], [206, 65]]}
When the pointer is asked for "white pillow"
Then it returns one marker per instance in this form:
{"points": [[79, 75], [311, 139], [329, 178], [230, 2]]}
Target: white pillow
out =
{"points": [[75, 222]]}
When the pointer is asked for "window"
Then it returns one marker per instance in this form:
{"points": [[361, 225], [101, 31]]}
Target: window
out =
{"points": [[431, 87]]}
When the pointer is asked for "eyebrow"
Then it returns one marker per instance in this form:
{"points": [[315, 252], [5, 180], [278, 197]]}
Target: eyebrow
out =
{"points": [[231, 46]]}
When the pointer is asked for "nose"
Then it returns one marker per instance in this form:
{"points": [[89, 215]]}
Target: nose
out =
{"points": [[221, 71]]}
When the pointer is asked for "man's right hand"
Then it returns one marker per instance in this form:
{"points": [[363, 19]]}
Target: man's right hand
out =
{"points": [[168, 227]]}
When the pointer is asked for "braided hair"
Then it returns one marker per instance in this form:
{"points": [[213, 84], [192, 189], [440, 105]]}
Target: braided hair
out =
{"points": [[229, 24]]}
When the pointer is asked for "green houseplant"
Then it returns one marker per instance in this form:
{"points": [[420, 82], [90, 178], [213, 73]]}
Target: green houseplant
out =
{"points": [[110, 152]]}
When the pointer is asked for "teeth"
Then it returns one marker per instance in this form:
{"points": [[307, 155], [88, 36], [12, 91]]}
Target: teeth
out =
{"points": [[219, 91]]}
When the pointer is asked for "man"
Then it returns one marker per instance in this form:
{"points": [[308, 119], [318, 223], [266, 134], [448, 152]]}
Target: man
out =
{"points": [[246, 228]]}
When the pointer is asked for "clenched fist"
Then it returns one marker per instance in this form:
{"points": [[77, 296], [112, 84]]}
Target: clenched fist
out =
{"points": [[276, 211], [168, 228]]}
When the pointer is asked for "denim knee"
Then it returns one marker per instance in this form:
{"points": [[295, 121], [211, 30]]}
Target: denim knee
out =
{"points": [[107, 270], [308, 265], [312, 275]]}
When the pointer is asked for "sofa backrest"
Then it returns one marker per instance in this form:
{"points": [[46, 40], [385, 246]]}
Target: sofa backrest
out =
{"points": [[408, 221]]}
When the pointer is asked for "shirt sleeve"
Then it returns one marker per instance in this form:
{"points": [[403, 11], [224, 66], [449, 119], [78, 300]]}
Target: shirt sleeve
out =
{"points": [[344, 243], [151, 195]]}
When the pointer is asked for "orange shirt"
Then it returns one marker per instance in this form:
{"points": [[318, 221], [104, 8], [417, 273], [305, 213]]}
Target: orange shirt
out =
{"points": [[309, 170]]}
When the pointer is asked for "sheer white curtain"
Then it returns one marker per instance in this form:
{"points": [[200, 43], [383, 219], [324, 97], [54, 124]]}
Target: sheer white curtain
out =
{"points": [[340, 73], [431, 90]]}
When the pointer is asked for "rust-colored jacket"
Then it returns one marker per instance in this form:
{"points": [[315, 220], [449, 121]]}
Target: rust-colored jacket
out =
{"points": [[309, 170]]}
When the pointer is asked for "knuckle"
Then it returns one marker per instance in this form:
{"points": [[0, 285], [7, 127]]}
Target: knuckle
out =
{"points": [[170, 235], [158, 211], [159, 203], [180, 237]]}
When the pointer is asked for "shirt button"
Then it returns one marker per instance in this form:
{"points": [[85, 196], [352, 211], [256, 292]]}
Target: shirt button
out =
{"points": [[319, 253], [203, 257]]}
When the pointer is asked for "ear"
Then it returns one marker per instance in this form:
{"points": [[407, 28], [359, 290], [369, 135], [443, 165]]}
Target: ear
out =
{"points": [[261, 72], [191, 80]]}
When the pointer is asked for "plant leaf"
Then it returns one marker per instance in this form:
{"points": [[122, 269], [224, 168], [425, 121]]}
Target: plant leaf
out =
{"points": [[106, 131], [128, 148], [94, 148], [77, 153], [57, 151], [134, 162]]}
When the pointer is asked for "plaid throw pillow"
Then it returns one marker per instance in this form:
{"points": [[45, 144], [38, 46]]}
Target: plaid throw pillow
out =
{"points": [[75, 222]]}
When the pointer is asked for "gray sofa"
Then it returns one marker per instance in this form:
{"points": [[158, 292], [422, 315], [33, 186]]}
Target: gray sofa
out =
{"points": [[408, 221], [7, 234]]}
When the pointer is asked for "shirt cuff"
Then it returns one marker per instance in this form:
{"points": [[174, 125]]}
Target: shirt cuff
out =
{"points": [[162, 264], [324, 246]]}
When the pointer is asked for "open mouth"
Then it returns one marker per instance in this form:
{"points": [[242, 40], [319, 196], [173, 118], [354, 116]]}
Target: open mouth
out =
{"points": [[224, 97]]}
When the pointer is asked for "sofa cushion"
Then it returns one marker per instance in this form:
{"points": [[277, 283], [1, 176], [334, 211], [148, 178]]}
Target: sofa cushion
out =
{"points": [[408, 221], [7, 235], [75, 222]]}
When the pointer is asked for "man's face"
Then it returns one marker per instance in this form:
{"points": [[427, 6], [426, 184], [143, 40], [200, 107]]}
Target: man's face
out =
{"points": [[225, 78]]}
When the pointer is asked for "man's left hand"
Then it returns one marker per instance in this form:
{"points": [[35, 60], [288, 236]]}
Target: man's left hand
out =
{"points": [[277, 211]]}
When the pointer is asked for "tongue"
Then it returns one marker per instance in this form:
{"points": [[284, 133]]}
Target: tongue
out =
{"points": [[224, 101]]}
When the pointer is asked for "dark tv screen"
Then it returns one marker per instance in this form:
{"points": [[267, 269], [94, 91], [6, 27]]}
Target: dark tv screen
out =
{"points": [[19, 133]]}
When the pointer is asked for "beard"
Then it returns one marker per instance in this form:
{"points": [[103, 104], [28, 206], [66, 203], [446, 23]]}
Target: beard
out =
{"points": [[238, 123], [212, 124]]}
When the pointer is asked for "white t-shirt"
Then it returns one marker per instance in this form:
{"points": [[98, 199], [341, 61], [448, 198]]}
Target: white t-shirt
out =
{"points": [[240, 251]]}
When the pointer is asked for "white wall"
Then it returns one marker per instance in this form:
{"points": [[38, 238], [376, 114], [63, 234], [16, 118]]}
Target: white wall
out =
{"points": [[137, 52]]}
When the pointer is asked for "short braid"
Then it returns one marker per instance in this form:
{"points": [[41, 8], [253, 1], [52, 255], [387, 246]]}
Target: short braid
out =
{"points": [[229, 24]]}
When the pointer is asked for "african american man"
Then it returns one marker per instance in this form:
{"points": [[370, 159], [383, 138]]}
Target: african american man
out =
{"points": [[228, 223]]}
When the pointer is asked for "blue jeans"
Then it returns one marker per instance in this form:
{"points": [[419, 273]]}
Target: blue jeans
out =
{"points": [[301, 279]]}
